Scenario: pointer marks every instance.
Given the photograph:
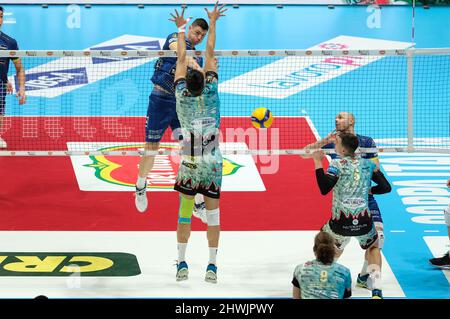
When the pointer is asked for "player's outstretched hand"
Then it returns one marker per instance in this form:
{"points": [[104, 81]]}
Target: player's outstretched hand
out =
{"points": [[308, 153], [21, 96], [179, 20], [217, 12], [9, 88], [318, 155], [331, 137]]}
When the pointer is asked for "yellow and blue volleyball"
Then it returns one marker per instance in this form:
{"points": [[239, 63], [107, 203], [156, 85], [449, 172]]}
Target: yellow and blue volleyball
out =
{"points": [[262, 118]]}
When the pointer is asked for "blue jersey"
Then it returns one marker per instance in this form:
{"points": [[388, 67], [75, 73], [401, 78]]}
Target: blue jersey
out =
{"points": [[364, 142], [6, 43], [164, 74], [319, 281]]}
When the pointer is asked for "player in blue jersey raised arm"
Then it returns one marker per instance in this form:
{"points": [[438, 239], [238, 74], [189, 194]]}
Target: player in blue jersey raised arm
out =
{"points": [[345, 123], [161, 111], [350, 176], [200, 172], [322, 278], [8, 43]]}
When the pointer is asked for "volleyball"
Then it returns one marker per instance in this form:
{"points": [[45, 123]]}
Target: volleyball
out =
{"points": [[262, 118]]}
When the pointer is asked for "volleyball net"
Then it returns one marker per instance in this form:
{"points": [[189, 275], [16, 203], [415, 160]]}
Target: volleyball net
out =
{"points": [[84, 102]]}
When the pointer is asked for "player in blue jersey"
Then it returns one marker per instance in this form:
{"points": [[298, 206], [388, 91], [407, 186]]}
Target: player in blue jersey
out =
{"points": [[161, 111], [345, 123], [350, 176], [200, 172], [444, 261], [8, 43], [322, 278]]}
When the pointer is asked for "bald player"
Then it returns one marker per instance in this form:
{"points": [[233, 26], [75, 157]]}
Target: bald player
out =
{"points": [[350, 176]]}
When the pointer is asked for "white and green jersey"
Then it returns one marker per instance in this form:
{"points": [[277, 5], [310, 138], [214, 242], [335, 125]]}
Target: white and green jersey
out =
{"points": [[350, 212], [199, 117], [201, 162], [320, 281]]}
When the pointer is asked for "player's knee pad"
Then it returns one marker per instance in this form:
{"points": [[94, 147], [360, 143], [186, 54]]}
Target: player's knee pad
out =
{"points": [[185, 210], [447, 215], [213, 217], [380, 232], [380, 238]]}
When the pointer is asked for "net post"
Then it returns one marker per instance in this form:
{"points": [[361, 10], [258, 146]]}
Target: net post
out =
{"points": [[410, 83]]}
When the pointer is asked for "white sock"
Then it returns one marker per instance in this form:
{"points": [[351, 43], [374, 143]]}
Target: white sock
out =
{"points": [[141, 182], [182, 252], [375, 275], [199, 198], [212, 255], [364, 268]]}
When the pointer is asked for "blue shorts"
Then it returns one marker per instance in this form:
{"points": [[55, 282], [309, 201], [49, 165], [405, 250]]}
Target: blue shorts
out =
{"points": [[161, 114], [374, 210]]}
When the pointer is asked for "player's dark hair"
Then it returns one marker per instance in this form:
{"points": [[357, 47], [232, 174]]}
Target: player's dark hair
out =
{"points": [[1, 8], [195, 81], [201, 23], [324, 248], [349, 141]]}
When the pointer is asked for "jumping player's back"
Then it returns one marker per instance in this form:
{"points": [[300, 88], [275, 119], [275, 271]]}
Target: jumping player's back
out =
{"points": [[350, 194], [199, 115]]}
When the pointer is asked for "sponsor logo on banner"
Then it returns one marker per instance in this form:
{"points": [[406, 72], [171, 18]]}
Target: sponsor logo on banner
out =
{"points": [[63, 264], [54, 79], [57, 77], [292, 75], [139, 46], [118, 173], [31, 53], [68, 53]]}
